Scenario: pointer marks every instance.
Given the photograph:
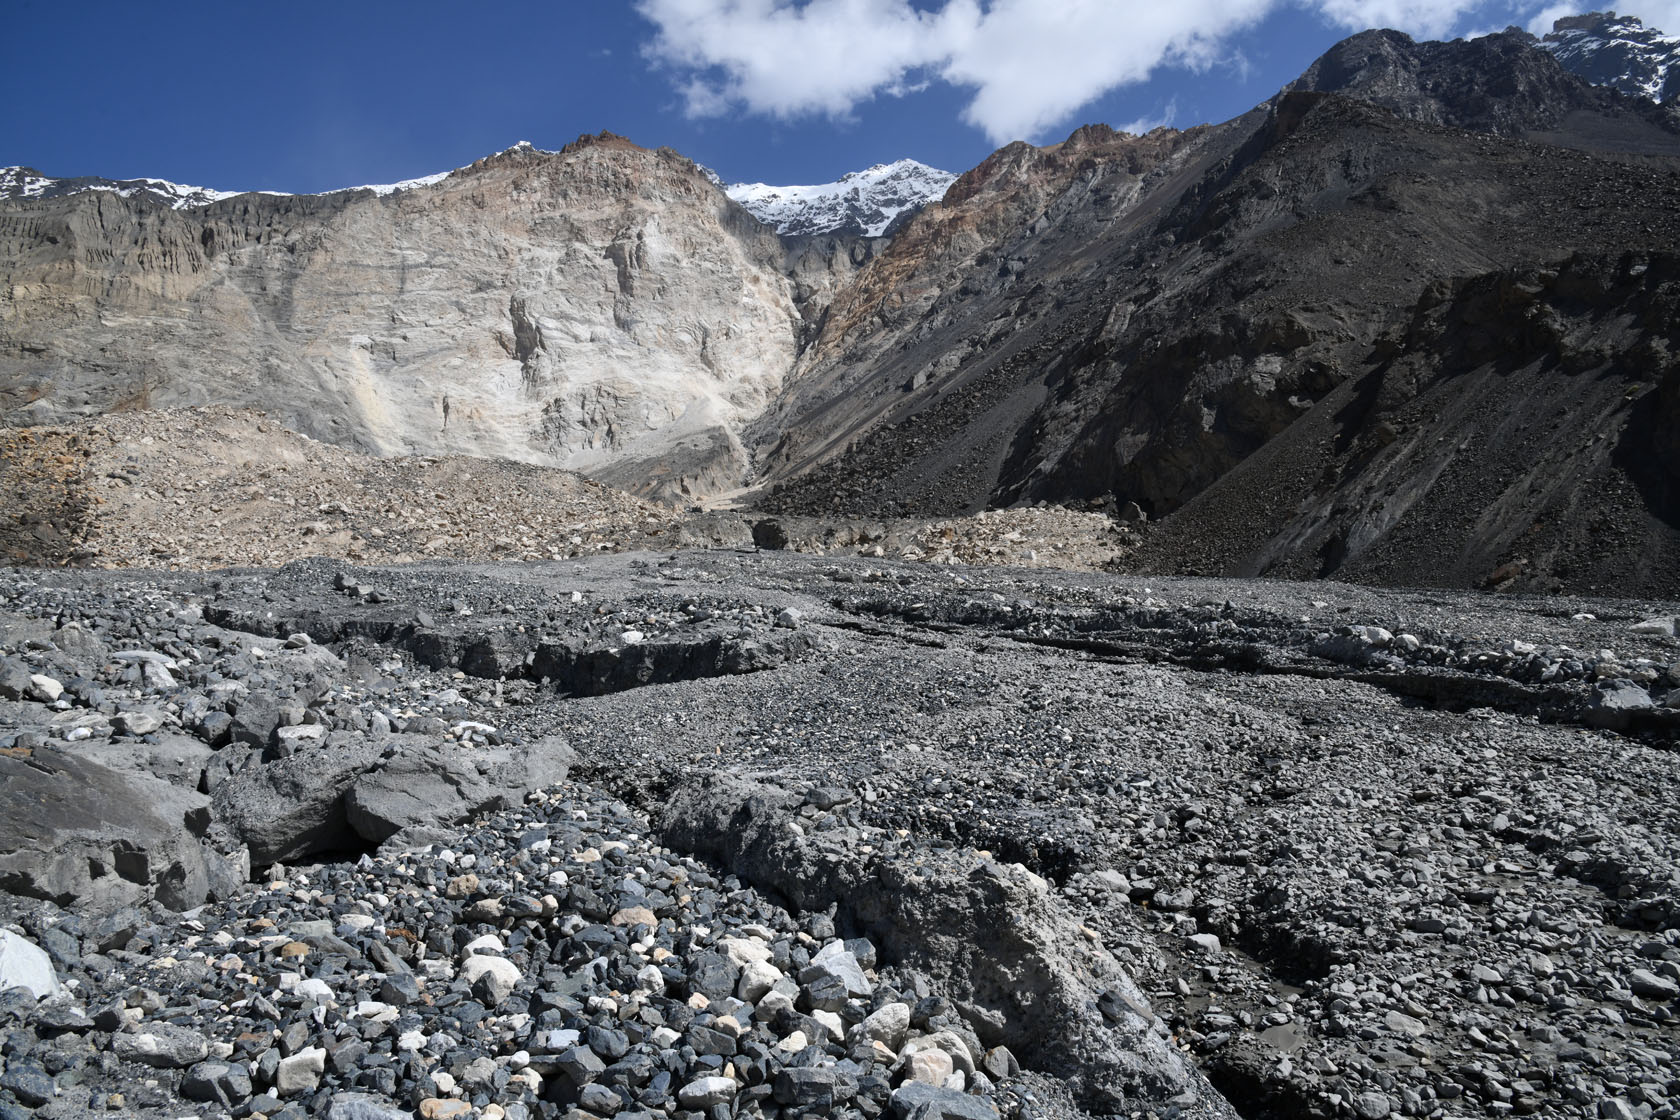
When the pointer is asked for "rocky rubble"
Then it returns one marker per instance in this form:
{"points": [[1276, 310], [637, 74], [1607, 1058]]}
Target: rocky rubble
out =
{"points": [[734, 834], [555, 959], [218, 487], [208, 488]]}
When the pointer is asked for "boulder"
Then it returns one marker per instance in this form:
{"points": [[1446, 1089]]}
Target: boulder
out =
{"points": [[431, 784], [161, 1046], [1615, 704], [75, 831], [23, 964]]}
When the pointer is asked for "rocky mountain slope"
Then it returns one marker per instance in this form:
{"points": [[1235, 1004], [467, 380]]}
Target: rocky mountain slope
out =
{"points": [[868, 203], [1617, 51], [1129, 319], [604, 308], [1260, 309]]}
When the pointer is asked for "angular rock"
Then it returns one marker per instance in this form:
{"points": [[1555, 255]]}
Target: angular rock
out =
{"points": [[363, 1106], [492, 978], [217, 1083], [162, 1046], [23, 964], [917, 1101], [72, 830], [1615, 704]]}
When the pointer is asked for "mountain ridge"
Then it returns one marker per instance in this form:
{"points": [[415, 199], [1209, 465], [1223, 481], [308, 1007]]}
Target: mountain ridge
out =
{"points": [[1617, 51], [1139, 321], [868, 203]]}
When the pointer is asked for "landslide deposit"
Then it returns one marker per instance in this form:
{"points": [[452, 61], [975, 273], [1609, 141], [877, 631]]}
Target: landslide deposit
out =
{"points": [[710, 834], [212, 487]]}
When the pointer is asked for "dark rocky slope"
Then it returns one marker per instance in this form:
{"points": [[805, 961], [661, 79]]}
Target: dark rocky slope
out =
{"points": [[1159, 311]]}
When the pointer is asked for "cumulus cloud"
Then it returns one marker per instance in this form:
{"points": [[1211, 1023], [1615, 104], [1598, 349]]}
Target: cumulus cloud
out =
{"points": [[1029, 64]]}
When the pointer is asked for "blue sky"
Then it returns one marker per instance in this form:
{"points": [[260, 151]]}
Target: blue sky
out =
{"points": [[309, 96]]}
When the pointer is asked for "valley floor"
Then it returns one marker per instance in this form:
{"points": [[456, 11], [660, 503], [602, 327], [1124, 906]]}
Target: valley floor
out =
{"points": [[1177, 847]]}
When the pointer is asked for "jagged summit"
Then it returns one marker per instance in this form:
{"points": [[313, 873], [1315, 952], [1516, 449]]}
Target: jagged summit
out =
{"points": [[26, 182], [864, 202], [1617, 51]]}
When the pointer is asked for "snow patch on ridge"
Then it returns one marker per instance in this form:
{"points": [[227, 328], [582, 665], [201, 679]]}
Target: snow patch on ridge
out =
{"points": [[1617, 51], [26, 182], [864, 202]]}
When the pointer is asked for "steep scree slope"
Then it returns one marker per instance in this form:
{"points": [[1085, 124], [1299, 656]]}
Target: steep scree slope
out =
{"points": [[1132, 331]]}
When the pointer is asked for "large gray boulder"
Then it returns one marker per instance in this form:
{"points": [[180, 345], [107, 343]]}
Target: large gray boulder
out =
{"points": [[353, 792], [77, 832], [438, 785], [1005, 947]]}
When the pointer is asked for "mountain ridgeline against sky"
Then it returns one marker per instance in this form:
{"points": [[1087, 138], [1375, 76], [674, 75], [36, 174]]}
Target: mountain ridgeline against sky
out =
{"points": [[1619, 51], [1409, 321]]}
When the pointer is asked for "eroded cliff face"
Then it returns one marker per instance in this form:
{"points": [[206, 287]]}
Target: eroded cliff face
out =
{"points": [[605, 308]]}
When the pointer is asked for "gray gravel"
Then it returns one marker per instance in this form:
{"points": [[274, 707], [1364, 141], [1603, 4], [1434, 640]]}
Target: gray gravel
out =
{"points": [[1114, 845]]}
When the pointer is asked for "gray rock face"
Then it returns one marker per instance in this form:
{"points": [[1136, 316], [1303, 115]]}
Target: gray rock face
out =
{"points": [[595, 308], [77, 831], [1031, 975], [435, 786], [1614, 705], [356, 792]]}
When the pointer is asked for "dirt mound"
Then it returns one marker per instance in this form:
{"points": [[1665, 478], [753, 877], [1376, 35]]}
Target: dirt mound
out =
{"points": [[222, 487]]}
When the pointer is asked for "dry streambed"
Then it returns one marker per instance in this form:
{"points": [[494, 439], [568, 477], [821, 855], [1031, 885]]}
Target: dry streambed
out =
{"points": [[733, 834]]}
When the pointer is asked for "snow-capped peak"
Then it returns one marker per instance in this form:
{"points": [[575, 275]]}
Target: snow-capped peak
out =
{"points": [[26, 182], [1619, 51], [864, 202]]}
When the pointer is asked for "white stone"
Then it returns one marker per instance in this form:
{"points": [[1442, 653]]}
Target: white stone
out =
{"points": [[757, 978], [314, 990], [503, 974], [704, 1092], [300, 1073], [831, 1020], [489, 943], [889, 1025], [23, 964], [45, 688], [744, 951], [931, 1067]]}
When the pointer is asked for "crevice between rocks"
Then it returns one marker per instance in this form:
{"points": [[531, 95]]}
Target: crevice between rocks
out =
{"points": [[573, 666]]}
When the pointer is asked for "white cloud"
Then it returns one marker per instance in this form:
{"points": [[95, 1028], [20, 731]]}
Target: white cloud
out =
{"points": [[1029, 63], [1542, 21], [1428, 19]]}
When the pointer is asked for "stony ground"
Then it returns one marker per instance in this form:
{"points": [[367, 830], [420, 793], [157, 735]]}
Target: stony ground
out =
{"points": [[1175, 847], [215, 487]]}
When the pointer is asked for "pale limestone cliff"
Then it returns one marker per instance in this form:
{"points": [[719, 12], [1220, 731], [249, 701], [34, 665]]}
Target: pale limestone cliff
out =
{"points": [[604, 308]]}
